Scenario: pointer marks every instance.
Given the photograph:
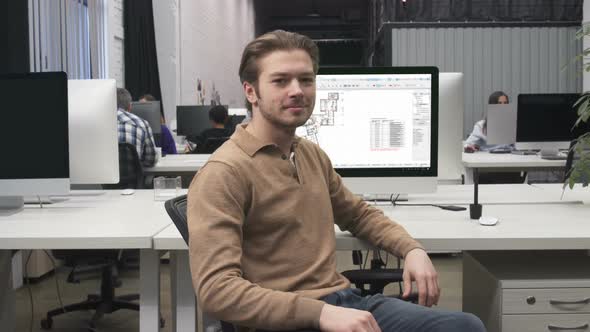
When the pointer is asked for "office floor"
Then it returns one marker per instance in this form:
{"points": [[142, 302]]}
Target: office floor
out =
{"points": [[45, 297]]}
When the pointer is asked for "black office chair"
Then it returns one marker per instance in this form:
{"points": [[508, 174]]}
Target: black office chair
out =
{"points": [[104, 303], [176, 208], [210, 145], [108, 261], [130, 169], [377, 277], [374, 280]]}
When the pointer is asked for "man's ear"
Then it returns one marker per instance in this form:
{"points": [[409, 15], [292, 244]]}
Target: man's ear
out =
{"points": [[250, 93]]}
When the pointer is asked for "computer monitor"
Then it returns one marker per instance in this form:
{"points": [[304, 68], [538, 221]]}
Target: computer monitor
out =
{"points": [[192, 120], [150, 112], [545, 121], [236, 120], [379, 126], [34, 137], [450, 127], [94, 155]]}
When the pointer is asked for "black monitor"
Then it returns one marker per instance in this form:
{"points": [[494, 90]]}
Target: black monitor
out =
{"points": [[192, 120], [234, 121], [150, 112], [36, 159], [546, 121]]}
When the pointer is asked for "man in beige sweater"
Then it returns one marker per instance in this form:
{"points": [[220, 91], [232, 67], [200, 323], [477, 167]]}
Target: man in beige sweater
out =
{"points": [[261, 217]]}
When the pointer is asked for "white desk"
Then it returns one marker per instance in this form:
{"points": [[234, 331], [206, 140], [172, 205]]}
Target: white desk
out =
{"points": [[178, 163], [107, 221], [504, 161], [556, 225], [492, 194], [578, 193]]}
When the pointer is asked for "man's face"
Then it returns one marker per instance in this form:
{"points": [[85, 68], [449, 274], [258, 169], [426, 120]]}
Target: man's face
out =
{"points": [[285, 96], [503, 100]]}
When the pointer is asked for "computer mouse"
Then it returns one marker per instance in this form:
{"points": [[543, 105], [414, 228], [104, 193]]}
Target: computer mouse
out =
{"points": [[127, 191], [488, 221]]}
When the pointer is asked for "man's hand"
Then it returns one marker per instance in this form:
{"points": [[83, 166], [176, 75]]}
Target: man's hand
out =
{"points": [[419, 268], [337, 319]]}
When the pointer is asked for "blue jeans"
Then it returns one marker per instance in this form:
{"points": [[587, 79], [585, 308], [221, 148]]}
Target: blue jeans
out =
{"points": [[396, 315]]}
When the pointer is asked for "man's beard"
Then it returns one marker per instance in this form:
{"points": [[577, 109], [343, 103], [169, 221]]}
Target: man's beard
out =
{"points": [[273, 116]]}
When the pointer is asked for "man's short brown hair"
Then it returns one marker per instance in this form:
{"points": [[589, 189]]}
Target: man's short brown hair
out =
{"points": [[278, 40]]}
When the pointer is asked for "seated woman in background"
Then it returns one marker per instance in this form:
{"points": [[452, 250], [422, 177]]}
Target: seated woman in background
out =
{"points": [[477, 140], [167, 142]]}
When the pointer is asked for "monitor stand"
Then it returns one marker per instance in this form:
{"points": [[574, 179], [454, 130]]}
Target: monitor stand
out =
{"points": [[10, 205]]}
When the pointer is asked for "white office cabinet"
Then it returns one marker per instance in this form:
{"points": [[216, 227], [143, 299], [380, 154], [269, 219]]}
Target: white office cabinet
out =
{"points": [[529, 291]]}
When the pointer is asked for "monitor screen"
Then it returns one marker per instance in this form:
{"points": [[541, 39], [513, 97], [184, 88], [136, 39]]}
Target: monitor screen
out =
{"points": [[546, 117], [150, 112], [35, 133], [192, 120], [377, 122]]}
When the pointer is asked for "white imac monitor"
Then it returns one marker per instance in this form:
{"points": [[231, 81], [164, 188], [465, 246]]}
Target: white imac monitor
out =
{"points": [[34, 138], [94, 154], [450, 127], [379, 127]]}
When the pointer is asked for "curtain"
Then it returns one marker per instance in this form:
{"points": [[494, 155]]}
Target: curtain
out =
{"points": [[141, 63], [97, 11], [14, 36]]}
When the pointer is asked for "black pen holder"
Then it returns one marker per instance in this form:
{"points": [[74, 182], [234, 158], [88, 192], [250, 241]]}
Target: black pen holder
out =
{"points": [[475, 211]]}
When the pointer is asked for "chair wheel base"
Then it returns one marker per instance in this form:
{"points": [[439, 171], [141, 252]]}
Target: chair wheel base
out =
{"points": [[46, 324]]}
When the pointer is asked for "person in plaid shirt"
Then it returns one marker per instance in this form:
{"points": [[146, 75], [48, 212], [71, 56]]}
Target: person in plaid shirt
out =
{"points": [[135, 130]]}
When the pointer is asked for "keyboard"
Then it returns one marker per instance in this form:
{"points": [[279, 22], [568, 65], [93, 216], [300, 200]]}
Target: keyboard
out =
{"points": [[500, 150], [525, 152]]}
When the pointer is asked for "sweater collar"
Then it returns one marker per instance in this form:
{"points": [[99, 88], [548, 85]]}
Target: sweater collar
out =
{"points": [[251, 144]]}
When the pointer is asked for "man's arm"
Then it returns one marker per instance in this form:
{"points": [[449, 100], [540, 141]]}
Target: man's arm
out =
{"points": [[352, 214], [364, 221], [217, 201], [149, 147]]}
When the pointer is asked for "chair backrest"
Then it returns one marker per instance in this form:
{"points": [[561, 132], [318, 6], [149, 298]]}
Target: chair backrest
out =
{"points": [[211, 144], [176, 208], [130, 169]]}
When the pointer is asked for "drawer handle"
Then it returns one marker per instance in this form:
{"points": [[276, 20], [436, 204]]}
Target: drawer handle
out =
{"points": [[561, 328], [584, 301]]}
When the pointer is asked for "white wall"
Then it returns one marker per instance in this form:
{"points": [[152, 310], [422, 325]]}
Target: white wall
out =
{"points": [[212, 37], [115, 42], [201, 39], [166, 30]]}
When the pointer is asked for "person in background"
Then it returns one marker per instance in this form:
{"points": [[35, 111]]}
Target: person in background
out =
{"points": [[477, 140], [218, 117], [167, 142], [135, 130]]}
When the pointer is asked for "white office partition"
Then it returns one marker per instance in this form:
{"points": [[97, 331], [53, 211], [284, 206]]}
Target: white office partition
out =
{"points": [[512, 59]]}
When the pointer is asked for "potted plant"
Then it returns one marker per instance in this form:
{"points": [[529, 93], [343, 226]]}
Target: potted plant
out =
{"points": [[580, 170]]}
